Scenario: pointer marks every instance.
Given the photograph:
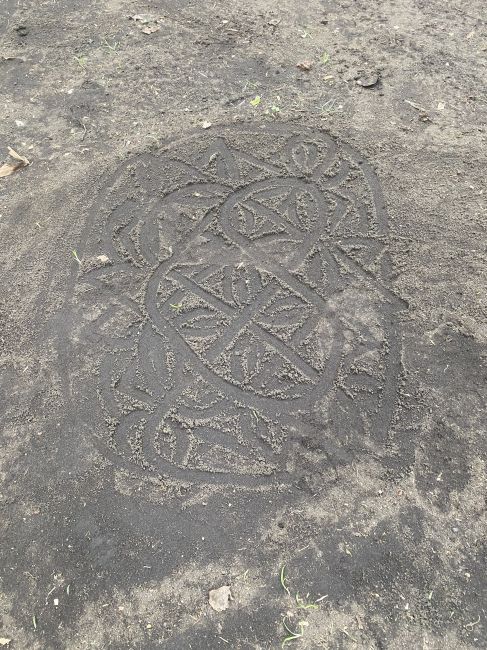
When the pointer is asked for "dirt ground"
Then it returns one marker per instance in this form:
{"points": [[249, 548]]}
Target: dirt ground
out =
{"points": [[243, 324]]}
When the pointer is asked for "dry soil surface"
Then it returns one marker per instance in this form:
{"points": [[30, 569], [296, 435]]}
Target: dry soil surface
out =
{"points": [[243, 325]]}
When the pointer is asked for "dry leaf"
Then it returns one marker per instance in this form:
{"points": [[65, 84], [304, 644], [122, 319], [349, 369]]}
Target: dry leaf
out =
{"points": [[9, 168], [17, 156], [220, 598], [305, 65]]}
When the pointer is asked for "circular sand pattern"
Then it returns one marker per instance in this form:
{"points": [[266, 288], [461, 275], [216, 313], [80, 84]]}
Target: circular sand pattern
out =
{"points": [[233, 310]]}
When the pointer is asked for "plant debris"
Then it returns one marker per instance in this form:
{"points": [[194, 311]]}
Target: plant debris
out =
{"points": [[220, 598], [147, 23], [12, 58], [302, 603], [418, 107], [424, 117], [304, 65], [9, 168]]}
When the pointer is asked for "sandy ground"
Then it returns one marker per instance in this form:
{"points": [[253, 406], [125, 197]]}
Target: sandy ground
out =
{"points": [[180, 164]]}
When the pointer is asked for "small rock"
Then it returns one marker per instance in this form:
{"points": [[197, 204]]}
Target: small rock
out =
{"points": [[368, 79], [206, 125], [220, 598]]}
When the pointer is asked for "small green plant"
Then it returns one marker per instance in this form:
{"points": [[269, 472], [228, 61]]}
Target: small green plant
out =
{"points": [[300, 604], [282, 578], [113, 48], [329, 106], [81, 61], [305, 33], [293, 635]]}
